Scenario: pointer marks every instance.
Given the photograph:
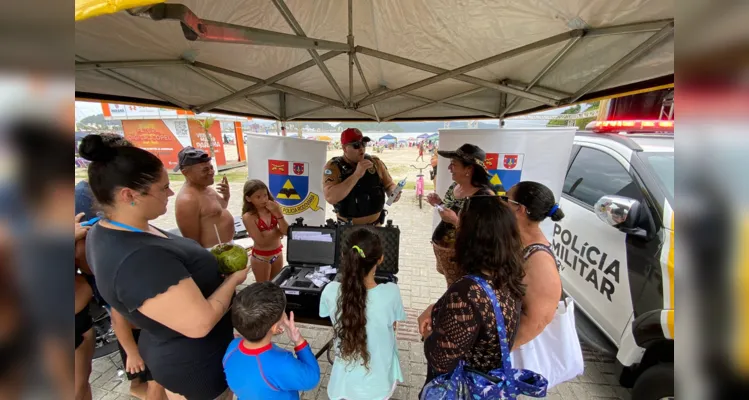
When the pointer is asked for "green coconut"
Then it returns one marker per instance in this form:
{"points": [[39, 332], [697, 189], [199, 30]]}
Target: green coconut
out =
{"points": [[231, 257]]}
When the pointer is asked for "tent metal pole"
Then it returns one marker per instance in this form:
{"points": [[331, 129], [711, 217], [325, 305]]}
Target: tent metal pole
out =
{"points": [[474, 66], [350, 40], [301, 114], [196, 29], [637, 27], [263, 83], [228, 88], [633, 55], [549, 66], [135, 84], [537, 89], [261, 94], [282, 104], [97, 65], [366, 85], [502, 107], [289, 17], [464, 78], [430, 103], [296, 92]]}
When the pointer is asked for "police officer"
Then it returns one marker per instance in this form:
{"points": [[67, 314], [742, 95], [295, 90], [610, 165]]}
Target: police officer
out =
{"points": [[356, 183]]}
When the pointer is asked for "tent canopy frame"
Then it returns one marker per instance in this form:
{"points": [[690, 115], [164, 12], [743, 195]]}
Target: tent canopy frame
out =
{"points": [[197, 29]]}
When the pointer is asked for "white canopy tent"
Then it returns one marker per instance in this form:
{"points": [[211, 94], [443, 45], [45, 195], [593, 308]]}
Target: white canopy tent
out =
{"points": [[380, 60]]}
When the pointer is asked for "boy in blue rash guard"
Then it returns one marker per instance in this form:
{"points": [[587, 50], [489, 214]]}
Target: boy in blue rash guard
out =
{"points": [[255, 368]]}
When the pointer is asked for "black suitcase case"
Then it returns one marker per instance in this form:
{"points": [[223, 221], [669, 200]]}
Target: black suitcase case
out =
{"points": [[390, 236], [305, 256]]}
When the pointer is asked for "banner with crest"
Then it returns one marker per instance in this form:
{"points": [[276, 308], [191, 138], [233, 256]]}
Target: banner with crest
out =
{"points": [[292, 169], [513, 155]]}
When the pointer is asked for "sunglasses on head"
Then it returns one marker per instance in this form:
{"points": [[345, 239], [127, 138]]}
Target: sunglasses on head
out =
{"points": [[358, 145], [509, 200]]}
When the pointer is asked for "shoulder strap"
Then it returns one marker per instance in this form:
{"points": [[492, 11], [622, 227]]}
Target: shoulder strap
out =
{"points": [[535, 247], [501, 329]]}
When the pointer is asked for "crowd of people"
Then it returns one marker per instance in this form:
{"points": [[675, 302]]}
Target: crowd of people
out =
{"points": [[175, 315]]}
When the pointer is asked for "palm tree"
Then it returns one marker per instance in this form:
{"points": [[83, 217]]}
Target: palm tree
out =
{"points": [[206, 124]]}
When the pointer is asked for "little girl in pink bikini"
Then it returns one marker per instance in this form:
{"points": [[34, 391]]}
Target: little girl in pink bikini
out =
{"points": [[265, 223]]}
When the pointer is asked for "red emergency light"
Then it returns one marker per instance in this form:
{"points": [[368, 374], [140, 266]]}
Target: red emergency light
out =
{"points": [[631, 126]]}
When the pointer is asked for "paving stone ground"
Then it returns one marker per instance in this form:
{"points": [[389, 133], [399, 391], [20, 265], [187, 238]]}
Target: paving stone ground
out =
{"points": [[420, 286]]}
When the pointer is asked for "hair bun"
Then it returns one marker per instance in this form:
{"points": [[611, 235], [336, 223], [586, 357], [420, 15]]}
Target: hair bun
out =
{"points": [[93, 148], [557, 215]]}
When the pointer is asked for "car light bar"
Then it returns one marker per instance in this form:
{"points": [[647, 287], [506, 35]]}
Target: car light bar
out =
{"points": [[631, 126]]}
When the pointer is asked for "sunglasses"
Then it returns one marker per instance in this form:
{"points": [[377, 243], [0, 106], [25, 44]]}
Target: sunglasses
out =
{"points": [[509, 200], [358, 145]]}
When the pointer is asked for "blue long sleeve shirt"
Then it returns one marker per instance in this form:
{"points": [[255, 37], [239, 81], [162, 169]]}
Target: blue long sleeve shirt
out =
{"points": [[270, 372]]}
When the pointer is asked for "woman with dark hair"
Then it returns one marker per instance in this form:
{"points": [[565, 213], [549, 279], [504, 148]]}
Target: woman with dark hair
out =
{"points": [[167, 285], [364, 316], [462, 325], [470, 177], [532, 203]]}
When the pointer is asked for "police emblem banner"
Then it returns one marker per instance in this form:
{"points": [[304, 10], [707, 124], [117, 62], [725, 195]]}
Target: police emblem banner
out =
{"points": [[513, 155], [292, 169]]}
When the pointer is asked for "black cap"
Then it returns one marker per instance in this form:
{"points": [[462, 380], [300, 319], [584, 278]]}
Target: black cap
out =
{"points": [[190, 156], [468, 153]]}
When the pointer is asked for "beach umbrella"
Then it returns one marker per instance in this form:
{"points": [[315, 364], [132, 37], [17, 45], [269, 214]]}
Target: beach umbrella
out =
{"points": [[389, 138], [423, 136], [325, 138]]}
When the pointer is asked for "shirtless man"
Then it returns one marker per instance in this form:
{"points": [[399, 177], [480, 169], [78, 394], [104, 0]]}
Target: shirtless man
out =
{"points": [[198, 207]]}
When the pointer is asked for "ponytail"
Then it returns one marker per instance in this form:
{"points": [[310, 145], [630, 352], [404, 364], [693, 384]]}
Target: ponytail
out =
{"points": [[361, 252]]}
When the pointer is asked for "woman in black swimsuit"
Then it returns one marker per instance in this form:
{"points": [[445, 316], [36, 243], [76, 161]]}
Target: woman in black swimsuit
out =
{"points": [[167, 285], [532, 203]]}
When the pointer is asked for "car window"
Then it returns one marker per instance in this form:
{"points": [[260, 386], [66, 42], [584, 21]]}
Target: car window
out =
{"points": [[594, 174], [662, 164]]}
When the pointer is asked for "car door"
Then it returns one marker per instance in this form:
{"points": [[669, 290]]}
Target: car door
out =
{"points": [[593, 254]]}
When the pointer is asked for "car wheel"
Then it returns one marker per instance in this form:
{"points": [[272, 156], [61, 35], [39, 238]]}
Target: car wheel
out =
{"points": [[657, 382]]}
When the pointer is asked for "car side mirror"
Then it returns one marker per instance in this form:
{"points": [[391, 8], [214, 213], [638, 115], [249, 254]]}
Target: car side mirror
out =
{"points": [[626, 214]]}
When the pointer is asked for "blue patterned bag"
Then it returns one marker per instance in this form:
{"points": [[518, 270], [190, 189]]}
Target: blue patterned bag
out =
{"points": [[464, 383]]}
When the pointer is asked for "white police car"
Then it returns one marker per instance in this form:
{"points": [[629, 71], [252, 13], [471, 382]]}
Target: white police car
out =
{"points": [[616, 246]]}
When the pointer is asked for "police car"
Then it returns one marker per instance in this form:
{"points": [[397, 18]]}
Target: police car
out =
{"points": [[616, 246]]}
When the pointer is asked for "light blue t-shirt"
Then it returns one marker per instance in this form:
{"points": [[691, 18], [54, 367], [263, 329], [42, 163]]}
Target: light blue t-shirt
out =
{"points": [[350, 380]]}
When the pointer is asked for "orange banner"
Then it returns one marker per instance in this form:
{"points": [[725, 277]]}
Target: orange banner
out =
{"points": [[240, 141], [198, 139], [154, 136]]}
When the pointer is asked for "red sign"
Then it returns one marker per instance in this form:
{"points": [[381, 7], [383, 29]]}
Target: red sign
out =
{"points": [[199, 140], [510, 161], [277, 167], [299, 168], [492, 161], [153, 135]]}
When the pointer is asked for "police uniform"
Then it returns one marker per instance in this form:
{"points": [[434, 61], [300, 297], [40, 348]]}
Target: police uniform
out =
{"points": [[365, 203]]}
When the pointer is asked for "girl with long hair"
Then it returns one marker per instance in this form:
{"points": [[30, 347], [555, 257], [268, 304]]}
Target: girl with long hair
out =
{"points": [[532, 203], [265, 223], [462, 325], [364, 316]]}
